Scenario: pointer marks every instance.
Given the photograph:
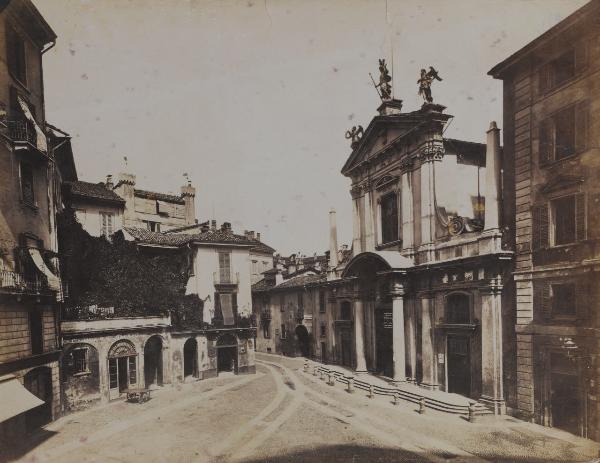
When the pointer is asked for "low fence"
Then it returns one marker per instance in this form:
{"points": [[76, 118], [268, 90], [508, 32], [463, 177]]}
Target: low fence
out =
{"points": [[472, 410]]}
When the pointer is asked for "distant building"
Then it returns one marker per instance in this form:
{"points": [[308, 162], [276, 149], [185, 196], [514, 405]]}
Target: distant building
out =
{"points": [[30, 177], [552, 210]]}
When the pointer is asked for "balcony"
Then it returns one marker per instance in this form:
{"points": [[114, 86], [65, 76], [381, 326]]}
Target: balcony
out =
{"points": [[13, 282], [265, 315], [226, 277]]}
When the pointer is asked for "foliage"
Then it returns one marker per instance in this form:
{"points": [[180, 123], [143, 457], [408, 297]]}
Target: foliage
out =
{"points": [[123, 276]]}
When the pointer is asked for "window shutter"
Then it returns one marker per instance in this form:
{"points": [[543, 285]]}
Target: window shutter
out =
{"points": [[593, 216], [582, 110], [580, 217], [217, 314], [582, 292], [581, 57], [543, 78], [542, 299], [540, 227], [546, 145]]}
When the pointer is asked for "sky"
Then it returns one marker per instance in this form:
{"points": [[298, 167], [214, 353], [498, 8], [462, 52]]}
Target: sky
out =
{"points": [[252, 98]]}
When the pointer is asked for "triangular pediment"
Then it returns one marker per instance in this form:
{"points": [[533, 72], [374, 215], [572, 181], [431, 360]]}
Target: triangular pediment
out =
{"points": [[562, 182]]}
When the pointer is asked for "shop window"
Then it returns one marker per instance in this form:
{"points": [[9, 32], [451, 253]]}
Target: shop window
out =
{"points": [[458, 309], [389, 218]]}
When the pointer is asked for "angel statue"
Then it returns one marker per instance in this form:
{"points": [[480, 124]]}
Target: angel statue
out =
{"points": [[427, 77], [355, 134]]}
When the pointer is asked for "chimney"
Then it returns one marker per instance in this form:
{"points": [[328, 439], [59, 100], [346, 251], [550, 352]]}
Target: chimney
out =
{"points": [[257, 236], [188, 193], [492, 178], [333, 247], [226, 227], [278, 277], [109, 182], [126, 189], [213, 225], [204, 226]]}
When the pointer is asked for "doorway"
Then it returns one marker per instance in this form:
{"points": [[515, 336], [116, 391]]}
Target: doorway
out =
{"points": [[459, 365], [566, 394], [323, 352], [303, 340], [39, 382], [383, 337], [227, 354], [153, 364], [190, 358], [122, 368], [346, 347]]}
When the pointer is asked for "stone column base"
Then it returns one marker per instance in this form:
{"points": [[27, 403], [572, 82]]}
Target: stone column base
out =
{"points": [[498, 406], [430, 387]]}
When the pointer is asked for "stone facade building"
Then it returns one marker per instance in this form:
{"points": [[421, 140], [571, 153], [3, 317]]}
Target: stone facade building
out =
{"points": [[552, 209], [30, 286]]}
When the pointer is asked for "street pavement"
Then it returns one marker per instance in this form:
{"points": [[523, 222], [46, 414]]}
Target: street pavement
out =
{"points": [[283, 414]]}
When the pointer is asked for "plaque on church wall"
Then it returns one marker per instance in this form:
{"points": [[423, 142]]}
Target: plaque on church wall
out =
{"points": [[388, 320]]}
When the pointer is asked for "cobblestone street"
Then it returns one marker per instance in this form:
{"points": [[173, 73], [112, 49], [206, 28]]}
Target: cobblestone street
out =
{"points": [[282, 414]]}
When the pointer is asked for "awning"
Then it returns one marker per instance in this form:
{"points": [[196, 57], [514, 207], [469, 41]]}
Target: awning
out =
{"points": [[14, 398], [38, 260], [227, 308], [41, 142]]}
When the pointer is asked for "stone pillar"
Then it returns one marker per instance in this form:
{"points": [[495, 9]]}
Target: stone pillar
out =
{"points": [[407, 211], [492, 393], [411, 336], [427, 202], [492, 178], [359, 336], [398, 342], [356, 238], [369, 228], [428, 360]]}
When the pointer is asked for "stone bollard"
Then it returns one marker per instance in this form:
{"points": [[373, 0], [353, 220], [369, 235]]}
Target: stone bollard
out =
{"points": [[350, 384], [330, 380], [396, 398], [305, 366], [371, 391], [315, 370], [471, 412], [422, 405], [322, 375]]}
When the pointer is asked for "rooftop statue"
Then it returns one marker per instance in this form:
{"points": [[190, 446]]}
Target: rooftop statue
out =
{"points": [[384, 88], [355, 134], [425, 81]]}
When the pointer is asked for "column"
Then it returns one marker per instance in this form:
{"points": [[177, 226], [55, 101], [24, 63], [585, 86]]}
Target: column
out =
{"points": [[427, 212], [407, 211], [428, 360], [359, 333], [492, 392], [411, 336], [356, 241], [398, 341], [369, 229]]}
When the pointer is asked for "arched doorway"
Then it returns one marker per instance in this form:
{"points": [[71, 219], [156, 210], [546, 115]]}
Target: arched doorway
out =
{"points": [[122, 368], [153, 364], [227, 353], [303, 340], [190, 358], [39, 382]]}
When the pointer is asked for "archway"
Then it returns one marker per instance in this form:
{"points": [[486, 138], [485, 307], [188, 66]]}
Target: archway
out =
{"points": [[303, 340], [39, 382], [122, 367], [190, 358], [153, 364], [227, 353]]}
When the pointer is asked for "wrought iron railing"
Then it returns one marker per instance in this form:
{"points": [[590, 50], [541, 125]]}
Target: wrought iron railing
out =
{"points": [[17, 282], [226, 277], [21, 131]]}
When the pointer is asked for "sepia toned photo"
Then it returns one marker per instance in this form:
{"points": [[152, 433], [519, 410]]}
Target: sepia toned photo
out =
{"points": [[300, 231]]}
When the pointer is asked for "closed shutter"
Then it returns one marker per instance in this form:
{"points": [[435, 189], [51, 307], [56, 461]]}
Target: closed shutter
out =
{"points": [[542, 299], [546, 145], [582, 299], [581, 57], [593, 216], [218, 315], [580, 217], [234, 305], [582, 111], [540, 230], [544, 78]]}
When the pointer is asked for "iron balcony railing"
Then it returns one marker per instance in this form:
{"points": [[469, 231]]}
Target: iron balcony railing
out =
{"points": [[226, 277], [21, 131], [17, 282], [265, 315]]}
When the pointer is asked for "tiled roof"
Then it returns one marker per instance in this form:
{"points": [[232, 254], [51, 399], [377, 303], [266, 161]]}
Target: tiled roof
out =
{"points": [[94, 190], [159, 196], [160, 239], [219, 236], [300, 281], [262, 247], [262, 285]]}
